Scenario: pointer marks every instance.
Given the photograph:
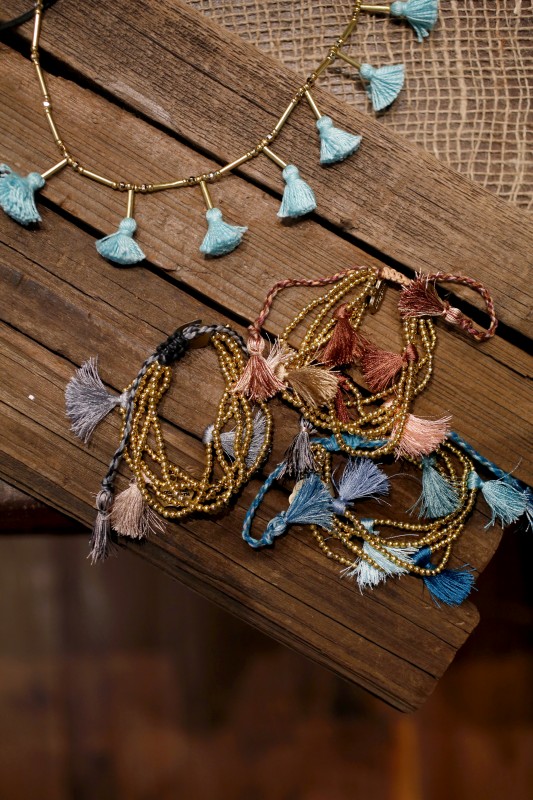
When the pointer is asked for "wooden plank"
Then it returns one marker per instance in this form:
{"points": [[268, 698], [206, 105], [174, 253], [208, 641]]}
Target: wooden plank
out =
{"points": [[252, 269], [54, 315], [225, 96]]}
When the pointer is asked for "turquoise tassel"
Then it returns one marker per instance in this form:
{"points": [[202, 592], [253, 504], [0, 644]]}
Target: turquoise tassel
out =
{"points": [[335, 144], [120, 247], [438, 498], [16, 195], [451, 586], [385, 83], [221, 238], [298, 197], [420, 14], [506, 503]]}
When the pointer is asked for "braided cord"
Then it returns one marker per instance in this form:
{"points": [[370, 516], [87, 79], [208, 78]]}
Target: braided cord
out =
{"points": [[485, 462], [250, 514], [456, 317]]}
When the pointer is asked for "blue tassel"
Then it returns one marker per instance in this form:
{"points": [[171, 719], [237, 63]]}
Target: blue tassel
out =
{"points": [[438, 498], [298, 197], [385, 83], [451, 586], [420, 14], [506, 503], [352, 440], [120, 247], [311, 505], [335, 144], [361, 478], [17, 195], [221, 238]]}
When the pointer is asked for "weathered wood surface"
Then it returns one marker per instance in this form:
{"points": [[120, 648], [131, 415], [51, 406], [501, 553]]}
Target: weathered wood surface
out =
{"points": [[60, 303]]}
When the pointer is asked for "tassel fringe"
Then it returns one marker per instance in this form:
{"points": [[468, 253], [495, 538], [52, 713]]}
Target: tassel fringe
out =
{"points": [[380, 367], [259, 380], [101, 545], [120, 247], [311, 505], [17, 195], [439, 498], [422, 15], [335, 144], [227, 439], [87, 400], [132, 517], [221, 237], [384, 83], [361, 479], [420, 437], [345, 345], [316, 386], [299, 459], [298, 197], [451, 586]]}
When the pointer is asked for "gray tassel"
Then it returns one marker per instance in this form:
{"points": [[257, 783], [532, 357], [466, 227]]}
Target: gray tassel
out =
{"points": [[299, 459], [227, 439], [87, 400], [101, 544]]}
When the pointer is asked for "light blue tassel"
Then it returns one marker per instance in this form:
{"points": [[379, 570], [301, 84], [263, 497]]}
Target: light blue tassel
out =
{"points": [[221, 238], [298, 197], [17, 195], [311, 505], [420, 14], [438, 498], [506, 503], [368, 576], [120, 247], [361, 478], [384, 83], [335, 144], [451, 586]]}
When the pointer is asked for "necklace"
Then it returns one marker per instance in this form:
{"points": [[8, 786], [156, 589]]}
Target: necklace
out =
{"points": [[382, 85]]}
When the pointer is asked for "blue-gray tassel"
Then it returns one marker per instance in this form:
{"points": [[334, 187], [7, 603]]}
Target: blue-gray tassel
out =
{"points": [[17, 195], [506, 503], [335, 144], [384, 83], [311, 505], [422, 15], [439, 498], [221, 237], [120, 247], [298, 197], [361, 478], [101, 544], [88, 401], [451, 586]]}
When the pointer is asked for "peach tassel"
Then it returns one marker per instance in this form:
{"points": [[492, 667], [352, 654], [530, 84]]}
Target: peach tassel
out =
{"points": [[131, 516], [346, 344], [259, 380], [420, 437], [380, 367]]}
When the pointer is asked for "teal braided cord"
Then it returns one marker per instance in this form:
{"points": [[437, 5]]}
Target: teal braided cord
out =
{"points": [[499, 473], [250, 514]]}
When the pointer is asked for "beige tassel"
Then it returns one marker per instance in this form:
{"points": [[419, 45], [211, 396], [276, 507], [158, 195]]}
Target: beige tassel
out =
{"points": [[131, 516], [316, 386]]}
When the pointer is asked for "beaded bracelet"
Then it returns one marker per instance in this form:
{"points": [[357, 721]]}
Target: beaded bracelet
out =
{"points": [[331, 400], [160, 487]]}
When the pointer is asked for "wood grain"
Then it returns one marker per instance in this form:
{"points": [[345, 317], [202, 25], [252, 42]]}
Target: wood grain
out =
{"points": [[225, 96]]}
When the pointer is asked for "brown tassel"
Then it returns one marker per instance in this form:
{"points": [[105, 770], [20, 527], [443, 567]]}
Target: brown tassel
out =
{"points": [[420, 299], [316, 386], [131, 516], [259, 380], [340, 406], [380, 367], [345, 344]]}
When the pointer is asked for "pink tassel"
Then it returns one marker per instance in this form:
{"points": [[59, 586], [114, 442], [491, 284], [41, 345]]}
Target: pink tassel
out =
{"points": [[346, 344], [131, 516], [259, 380], [420, 299], [380, 367], [420, 437]]}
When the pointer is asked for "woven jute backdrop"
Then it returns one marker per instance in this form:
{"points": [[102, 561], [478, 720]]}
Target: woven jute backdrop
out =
{"points": [[468, 89]]}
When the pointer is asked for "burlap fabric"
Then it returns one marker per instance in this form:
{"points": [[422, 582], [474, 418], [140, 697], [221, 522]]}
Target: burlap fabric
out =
{"points": [[469, 86]]}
